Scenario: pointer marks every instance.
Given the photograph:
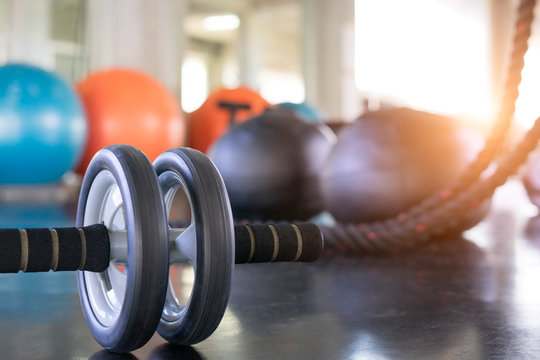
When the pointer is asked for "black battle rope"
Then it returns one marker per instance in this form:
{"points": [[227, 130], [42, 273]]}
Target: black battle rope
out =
{"points": [[445, 210]]}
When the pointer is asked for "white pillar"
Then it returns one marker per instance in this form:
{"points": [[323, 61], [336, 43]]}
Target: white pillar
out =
{"points": [[140, 34], [310, 65], [30, 33], [328, 57], [248, 49]]}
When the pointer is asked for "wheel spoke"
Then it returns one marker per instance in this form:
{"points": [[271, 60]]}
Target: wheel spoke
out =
{"points": [[172, 304], [113, 205], [118, 284], [186, 243]]}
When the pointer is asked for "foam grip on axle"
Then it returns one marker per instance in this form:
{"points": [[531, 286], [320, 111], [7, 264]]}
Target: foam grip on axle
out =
{"points": [[70, 249], [62, 249], [279, 242], [10, 251], [40, 250], [98, 248]]}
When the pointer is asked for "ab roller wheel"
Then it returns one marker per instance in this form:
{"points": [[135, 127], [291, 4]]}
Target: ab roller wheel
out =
{"points": [[123, 246], [208, 242], [120, 191]]}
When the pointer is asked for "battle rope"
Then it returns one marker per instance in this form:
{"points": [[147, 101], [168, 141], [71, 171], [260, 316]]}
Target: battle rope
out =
{"points": [[445, 210]]}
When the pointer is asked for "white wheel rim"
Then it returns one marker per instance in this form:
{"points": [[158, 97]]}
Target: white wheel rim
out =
{"points": [[106, 290], [187, 244]]}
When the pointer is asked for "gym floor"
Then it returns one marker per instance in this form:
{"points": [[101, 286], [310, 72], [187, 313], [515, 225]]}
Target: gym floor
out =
{"points": [[470, 298]]}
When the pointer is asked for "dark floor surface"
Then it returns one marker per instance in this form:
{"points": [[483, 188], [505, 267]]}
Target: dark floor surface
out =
{"points": [[472, 298]]}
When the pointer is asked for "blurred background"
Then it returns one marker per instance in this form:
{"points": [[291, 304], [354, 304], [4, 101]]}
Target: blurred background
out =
{"points": [[341, 56], [157, 74]]}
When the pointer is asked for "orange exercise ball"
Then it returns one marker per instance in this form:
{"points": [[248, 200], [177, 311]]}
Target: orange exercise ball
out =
{"points": [[213, 118], [128, 107]]}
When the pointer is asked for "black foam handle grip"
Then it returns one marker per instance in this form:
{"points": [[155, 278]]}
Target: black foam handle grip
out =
{"points": [[279, 242], [62, 249]]}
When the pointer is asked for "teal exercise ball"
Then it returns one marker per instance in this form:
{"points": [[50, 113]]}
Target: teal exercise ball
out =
{"points": [[42, 126], [303, 110]]}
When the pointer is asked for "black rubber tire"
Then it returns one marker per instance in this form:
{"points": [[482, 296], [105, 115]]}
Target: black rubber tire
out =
{"points": [[214, 227], [147, 236]]}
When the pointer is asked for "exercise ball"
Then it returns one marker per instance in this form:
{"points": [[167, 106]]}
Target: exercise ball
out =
{"points": [[271, 165], [221, 108], [128, 107], [303, 110], [388, 160], [42, 125], [531, 179]]}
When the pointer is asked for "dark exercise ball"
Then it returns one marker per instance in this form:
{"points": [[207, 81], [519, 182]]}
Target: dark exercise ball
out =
{"points": [[271, 165], [388, 160], [531, 179]]}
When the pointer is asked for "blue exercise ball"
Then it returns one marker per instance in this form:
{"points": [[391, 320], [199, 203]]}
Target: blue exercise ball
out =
{"points": [[42, 126], [304, 111]]}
